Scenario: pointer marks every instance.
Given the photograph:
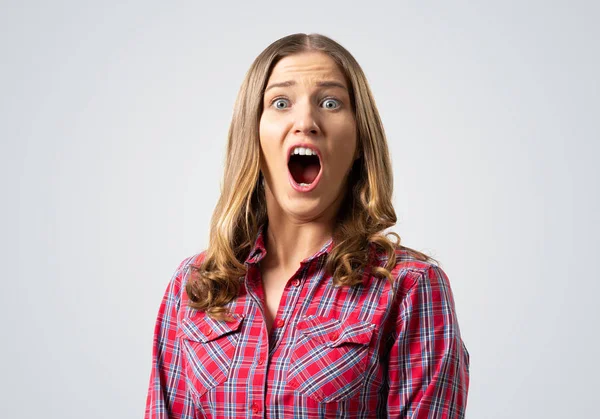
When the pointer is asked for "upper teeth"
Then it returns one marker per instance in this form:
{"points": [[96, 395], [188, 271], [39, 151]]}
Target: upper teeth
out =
{"points": [[304, 151]]}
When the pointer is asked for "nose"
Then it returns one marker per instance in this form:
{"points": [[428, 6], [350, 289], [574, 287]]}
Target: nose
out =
{"points": [[305, 122]]}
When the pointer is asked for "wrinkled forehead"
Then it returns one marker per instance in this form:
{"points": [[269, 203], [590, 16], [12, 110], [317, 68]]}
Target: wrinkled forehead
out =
{"points": [[307, 68]]}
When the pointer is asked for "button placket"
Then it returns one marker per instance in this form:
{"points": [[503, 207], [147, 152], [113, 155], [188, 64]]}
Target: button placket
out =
{"points": [[292, 293]]}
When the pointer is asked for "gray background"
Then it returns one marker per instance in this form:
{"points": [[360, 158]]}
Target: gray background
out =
{"points": [[113, 121]]}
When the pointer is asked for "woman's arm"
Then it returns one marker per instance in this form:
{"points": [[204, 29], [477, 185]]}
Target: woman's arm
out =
{"points": [[428, 364], [168, 397]]}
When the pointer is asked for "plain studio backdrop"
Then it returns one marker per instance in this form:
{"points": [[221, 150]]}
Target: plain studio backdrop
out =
{"points": [[113, 125]]}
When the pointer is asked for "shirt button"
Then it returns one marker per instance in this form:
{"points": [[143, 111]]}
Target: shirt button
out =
{"points": [[279, 323], [254, 407], [208, 331], [334, 336], [296, 282], [261, 361]]}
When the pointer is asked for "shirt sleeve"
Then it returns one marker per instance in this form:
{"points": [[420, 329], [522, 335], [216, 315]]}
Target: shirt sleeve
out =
{"points": [[168, 397], [429, 363]]}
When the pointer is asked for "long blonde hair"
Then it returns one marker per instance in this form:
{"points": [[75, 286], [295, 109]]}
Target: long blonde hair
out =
{"points": [[366, 211]]}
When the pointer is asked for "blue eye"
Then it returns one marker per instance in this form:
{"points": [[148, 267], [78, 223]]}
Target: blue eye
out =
{"points": [[278, 100], [330, 100], [330, 103]]}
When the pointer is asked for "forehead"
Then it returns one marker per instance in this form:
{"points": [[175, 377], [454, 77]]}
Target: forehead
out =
{"points": [[307, 67]]}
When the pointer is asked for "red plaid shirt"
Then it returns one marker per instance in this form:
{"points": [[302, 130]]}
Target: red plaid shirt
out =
{"points": [[333, 352]]}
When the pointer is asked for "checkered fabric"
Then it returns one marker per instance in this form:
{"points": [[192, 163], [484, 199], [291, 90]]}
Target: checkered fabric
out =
{"points": [[333, 352]]}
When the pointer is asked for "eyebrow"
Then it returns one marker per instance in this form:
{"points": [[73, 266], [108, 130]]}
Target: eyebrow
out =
{"points": [[327, 83]]}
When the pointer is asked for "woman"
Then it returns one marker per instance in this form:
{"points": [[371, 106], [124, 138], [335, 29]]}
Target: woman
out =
{"points": [[301, 307]]}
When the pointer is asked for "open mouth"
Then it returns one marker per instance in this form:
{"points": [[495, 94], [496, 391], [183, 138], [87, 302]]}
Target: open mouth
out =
{"points": [[304, 166], [304, 169]]}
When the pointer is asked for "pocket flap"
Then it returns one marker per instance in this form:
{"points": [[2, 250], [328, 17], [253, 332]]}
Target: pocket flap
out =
{"points": [[202, 328], [334, 332]]}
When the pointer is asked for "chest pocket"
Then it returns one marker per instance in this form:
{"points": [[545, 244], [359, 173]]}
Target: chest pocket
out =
{"points": [[208, 347], [330, 357]]}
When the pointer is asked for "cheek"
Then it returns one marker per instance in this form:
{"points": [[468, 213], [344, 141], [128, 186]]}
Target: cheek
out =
{"points": [[346, 143], [268, 142], [261, 131], [267, 131]]}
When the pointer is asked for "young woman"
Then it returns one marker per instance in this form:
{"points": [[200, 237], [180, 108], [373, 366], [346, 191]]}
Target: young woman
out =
{"points": [[300, 307]]}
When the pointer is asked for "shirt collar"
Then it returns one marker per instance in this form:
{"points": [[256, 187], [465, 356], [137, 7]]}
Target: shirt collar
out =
{"points": [[259, 251]]}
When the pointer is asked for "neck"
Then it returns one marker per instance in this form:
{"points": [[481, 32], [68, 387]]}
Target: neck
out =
{"points": [[289, 239], [288, 243]]}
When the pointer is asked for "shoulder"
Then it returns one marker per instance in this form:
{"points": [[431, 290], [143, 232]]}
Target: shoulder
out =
{"points": [[195, 260], [181, 274], [189, 261], [410, 271], [176, 293], [423, 289]]}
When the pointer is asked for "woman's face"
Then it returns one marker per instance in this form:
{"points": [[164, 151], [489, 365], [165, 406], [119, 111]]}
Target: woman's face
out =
{"points": [[306, 104]]}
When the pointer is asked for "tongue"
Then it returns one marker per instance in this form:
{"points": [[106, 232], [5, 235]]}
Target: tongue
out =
{"points": [[304, 173]]}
